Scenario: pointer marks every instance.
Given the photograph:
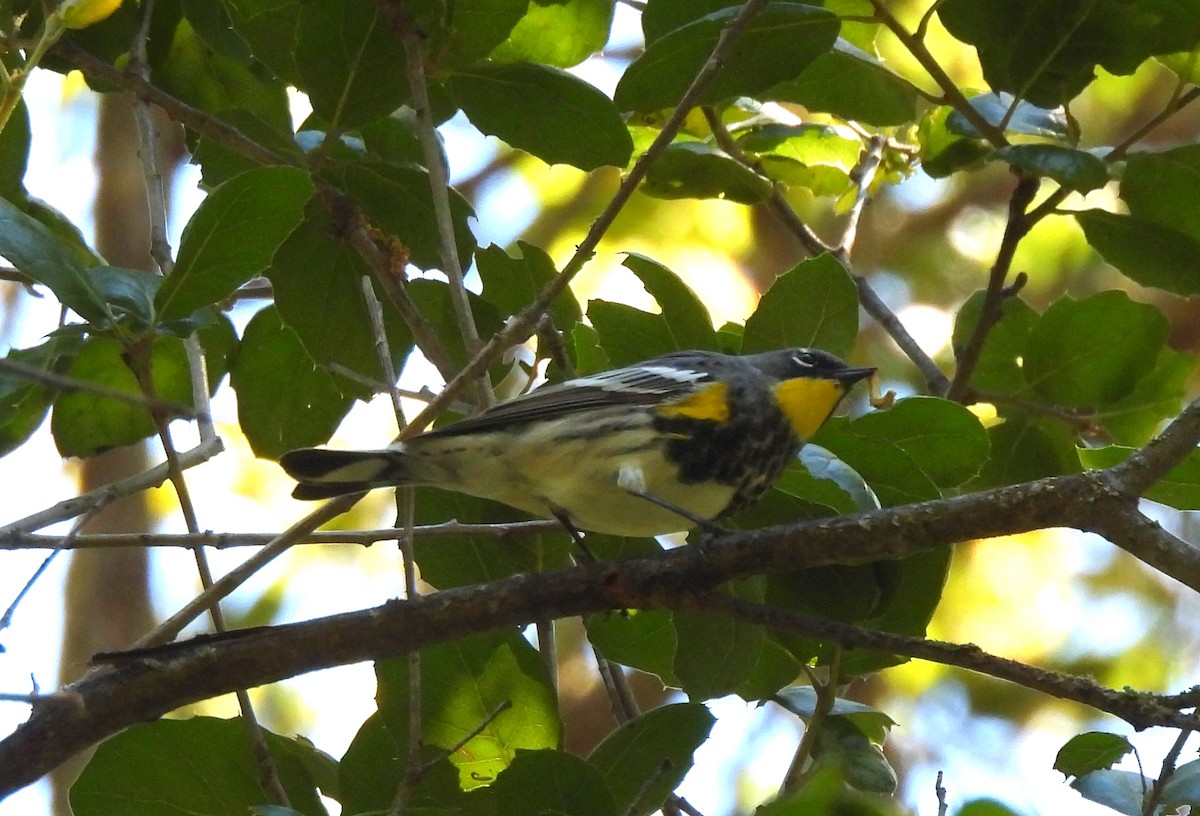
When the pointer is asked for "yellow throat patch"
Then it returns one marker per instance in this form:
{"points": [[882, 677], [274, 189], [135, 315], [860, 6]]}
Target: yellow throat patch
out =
{"points": [[807, 402]]}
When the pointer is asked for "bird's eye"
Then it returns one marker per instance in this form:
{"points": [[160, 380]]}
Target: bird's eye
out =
{"points": [[805, 358]]}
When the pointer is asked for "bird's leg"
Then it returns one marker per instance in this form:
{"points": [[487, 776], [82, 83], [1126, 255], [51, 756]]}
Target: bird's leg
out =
{"points": [[631, 479], [576, 535]]}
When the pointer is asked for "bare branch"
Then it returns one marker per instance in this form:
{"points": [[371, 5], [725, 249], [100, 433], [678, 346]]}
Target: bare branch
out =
{"points": [[21, 540]]}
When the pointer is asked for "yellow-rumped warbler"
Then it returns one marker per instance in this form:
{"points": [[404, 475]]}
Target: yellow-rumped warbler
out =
{"points": [[637, 451]]}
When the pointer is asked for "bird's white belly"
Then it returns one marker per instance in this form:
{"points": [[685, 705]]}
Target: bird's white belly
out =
{"points": [[543, 472]]}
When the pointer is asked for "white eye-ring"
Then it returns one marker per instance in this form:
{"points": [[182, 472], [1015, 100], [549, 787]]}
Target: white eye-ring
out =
{"points": [[805, 358]]}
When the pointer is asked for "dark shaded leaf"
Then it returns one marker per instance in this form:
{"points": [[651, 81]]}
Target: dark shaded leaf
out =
{"points": [[776, 46], [815, 305], [1148, 253], [852, 84], [698, 170], [544, 111], [553, 782], [1072, 168], [233, 236], [349, 61], [645, 759], [285, 401], [1072, 359]]}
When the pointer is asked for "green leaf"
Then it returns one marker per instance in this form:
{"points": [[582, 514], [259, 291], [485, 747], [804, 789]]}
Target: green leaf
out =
{"points": [[715, 654], [129, 293], [802, 701], [1163, 188], [85, 423], [561, 34], [463, 683], [1071, 168], [1158, 396], [629, 335], [818, 157], [545, 782], [36, 251], [910, 451], [317, 282], [349, 61], [1179, 488], [1024, 448], [215, 82], [1120, 790], [233, 236], [825, 792], [1092, 351], [779, 43], [851, 84], [815, 305], [474, 29], [698, 170], [985, 807], [664, 16], [1048, 53], [14, 153], [398, 199], [1183, 788], [998, 369], [942, 150], [220, 163], [432, 298], [510, 284], [1092, 751], [200, 765], [1017, 116], [640, 638], [270, 27], [24, 402], [285, 401], [840, 743], [544, 111], [464, 560], [1148, 253], [645, 759]]}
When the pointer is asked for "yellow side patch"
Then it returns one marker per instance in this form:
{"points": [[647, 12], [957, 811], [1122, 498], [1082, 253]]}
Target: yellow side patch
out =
{"points": [[807, 402], [708, 404]]}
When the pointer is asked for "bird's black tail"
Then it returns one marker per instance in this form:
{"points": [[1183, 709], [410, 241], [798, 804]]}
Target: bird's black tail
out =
{"points": [[323, 473]]}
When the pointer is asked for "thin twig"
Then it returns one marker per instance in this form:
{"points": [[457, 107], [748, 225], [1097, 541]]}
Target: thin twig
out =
{"points": [[864, 176], [140, 361], [940, 792], [953, 96], [997, 290], [69, 384], [1164, 775], [439, 179], [826, 691], [21, 540], [72, 507]]}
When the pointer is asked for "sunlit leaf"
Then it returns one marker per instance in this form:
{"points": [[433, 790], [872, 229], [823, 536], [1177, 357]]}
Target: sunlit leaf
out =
{"points": [[561, 34]]}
